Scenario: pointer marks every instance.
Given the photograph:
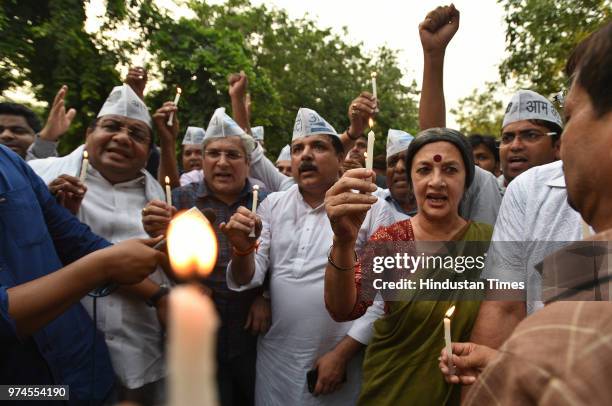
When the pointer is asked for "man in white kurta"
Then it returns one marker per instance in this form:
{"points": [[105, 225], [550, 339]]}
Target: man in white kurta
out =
{"points": [[113, 210], [293, 248]]}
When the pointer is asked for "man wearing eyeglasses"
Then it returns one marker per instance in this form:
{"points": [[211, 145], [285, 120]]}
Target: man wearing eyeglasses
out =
{"points": [[115, 189], [531, 133], [224, 188]]}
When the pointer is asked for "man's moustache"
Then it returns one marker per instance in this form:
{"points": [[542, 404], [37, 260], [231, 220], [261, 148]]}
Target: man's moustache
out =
{"points": [[306, 167]]}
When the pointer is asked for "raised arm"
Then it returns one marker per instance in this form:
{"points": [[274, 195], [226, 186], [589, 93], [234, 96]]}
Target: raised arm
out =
{"points": [[238, 84], [168, 165], [361, 109], [346, 211], [436, 31]]}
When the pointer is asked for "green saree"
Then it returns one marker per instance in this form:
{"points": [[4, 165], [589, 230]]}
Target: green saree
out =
{"points": [[401, 361]]}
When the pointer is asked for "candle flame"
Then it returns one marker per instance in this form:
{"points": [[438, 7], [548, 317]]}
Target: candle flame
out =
{"points": [[365, 155], [371, 122], [178, 90], [85, 155], [192, 244], [167, 180], [450, 312], [255, 187], [373, 74]]}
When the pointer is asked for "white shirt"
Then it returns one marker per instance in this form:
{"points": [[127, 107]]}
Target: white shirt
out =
{"points": [[293, 248], [131, 328], [385, 195], [534, 221]]}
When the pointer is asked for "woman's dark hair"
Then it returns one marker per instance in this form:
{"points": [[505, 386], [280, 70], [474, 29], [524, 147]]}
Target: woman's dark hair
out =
{"points": [[14, 109], [442, 134], [487, 140]]}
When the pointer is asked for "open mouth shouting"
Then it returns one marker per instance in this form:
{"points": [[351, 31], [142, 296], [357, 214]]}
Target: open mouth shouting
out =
{"points": [[517, 162], [436, 199]]}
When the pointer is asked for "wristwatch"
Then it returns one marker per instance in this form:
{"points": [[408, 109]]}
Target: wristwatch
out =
{"points": [[161, 292]]}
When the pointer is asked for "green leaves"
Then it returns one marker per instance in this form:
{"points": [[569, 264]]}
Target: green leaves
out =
{"points": [[290, 63], [540, 36]]}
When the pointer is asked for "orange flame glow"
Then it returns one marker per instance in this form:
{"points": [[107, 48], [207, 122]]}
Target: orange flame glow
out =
{"points": [[192, 244], [365, 155], [85, 154], [178, 90], [450, 312], [371, 122]]}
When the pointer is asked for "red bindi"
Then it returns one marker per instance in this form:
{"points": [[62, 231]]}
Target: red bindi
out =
{"points": [[437, 158]]}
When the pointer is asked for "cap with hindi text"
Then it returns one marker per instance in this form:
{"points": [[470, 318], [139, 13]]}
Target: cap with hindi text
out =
{"points": [[308, 122], [397, 141], [529, 105], [123, 101], [194, 136], [222, 125]]}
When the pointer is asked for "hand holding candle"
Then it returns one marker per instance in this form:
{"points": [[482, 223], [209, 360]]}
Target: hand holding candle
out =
{"points": [[447, 339], [254, 205], [176, 100], [84, 165]]}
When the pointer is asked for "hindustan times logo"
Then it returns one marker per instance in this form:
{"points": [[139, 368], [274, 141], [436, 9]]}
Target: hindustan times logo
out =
{"points": [[411, 263]]}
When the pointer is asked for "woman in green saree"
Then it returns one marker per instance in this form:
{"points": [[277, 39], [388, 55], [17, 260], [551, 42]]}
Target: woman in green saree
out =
{"points": [[401, 362]]}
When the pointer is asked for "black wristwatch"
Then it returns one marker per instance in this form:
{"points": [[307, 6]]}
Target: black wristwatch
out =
{"points": [[161, 292]]}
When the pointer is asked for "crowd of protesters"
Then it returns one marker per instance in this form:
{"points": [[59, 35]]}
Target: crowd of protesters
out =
{"points": [[84, 285]]}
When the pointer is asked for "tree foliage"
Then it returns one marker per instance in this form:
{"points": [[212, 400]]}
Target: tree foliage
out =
{"points": [[480, 112], [540, 35], [290, 63]]}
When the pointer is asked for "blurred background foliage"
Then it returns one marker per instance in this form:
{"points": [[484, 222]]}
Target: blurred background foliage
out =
{"points": [[290, 62]]}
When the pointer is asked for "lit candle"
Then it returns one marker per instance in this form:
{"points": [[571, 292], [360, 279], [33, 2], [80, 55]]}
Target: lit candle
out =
{"points": [[447, 339], [84, 165], [191, 349], [254, 206], [176, 100], [168, 192], [370, 150], [374, 90], [193, 322]]}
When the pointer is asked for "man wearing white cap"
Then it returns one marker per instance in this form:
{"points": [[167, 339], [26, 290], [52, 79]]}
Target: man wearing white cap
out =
{"points": [[191, 153], [399, 195], [115, 189], [302, 337], [224, 188], [531, 135], [283, 162], [258, 135]]}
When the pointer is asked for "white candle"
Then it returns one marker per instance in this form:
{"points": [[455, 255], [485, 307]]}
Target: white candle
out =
{"points": [[447, 339], [176, 100], [374, 89], [254, 205], [255, 197], [168, 192], [370, 151], [84, 165], [193, 323]]}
